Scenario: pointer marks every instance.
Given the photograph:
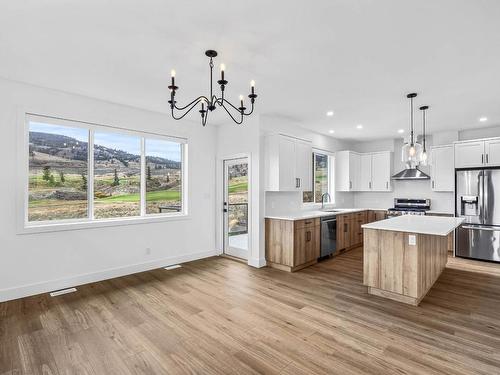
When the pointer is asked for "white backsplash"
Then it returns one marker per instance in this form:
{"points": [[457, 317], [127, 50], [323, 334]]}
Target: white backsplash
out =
{"points": [[280, 202]]}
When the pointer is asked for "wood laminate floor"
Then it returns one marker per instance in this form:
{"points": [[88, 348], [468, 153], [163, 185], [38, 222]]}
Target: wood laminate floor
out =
{"points": [[218, 316]]}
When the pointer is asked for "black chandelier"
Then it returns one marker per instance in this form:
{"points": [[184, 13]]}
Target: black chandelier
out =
{"points": [[212, 102]]}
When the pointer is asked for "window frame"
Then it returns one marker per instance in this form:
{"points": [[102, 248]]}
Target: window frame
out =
{"points": [[331, 177], [26, 226]]}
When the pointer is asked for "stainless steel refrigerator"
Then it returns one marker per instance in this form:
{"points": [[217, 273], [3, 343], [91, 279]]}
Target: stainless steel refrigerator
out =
{"points": [[477, 193]]}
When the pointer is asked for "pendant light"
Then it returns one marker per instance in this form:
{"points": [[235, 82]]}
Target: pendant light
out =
{"points": [[411, 150], [423, 156]]}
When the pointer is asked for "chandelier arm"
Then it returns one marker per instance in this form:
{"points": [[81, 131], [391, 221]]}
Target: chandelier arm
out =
{"points": [[185, 113], [230, 115], [249, 113], [195, 100], [228, 102]]}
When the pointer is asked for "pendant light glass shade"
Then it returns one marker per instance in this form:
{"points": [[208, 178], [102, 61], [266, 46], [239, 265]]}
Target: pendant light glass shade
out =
{"points": [[411, 150]]}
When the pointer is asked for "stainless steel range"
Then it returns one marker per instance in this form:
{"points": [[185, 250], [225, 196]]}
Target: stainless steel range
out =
{"points": [[406, 206]]}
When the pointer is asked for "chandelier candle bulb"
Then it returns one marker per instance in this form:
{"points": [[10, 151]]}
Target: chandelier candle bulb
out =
{"points": [[172, 73], [222, 68], [252, 84]]}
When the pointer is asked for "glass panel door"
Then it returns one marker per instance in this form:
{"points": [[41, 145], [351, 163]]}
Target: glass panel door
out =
{"points": [[236, 207]]}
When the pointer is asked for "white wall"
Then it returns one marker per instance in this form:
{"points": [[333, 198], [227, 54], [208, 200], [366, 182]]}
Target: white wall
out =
{"points": [[35, 263]]}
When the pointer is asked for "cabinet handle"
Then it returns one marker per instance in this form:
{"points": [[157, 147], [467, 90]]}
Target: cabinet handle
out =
{"points": [[369, 185], [486, 158], [308, 222], [387, 184], [482, 158], [296, 182], [350, 184], [300, 182], [308, 236], [433, 184], [345, 227]]}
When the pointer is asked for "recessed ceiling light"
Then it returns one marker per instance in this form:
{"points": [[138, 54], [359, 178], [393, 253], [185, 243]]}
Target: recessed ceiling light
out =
{"points": [[401, 131], [329, 113], [483, 119], [359, 126], [331, 131]]}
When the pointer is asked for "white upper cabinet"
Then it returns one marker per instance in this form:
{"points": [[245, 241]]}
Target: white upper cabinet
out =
{"points": [[288, 163], [469, 154], [303, 164], [347, 165], [381, 171], [492, 152], [363, 172], [477, 153], [442, 168]]}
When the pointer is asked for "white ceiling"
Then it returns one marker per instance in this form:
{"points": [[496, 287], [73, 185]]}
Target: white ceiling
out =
{"points": [[356, 57]]}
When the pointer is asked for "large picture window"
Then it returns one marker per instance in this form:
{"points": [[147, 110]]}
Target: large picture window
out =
{"points": [[80, 172], [322, 168]]}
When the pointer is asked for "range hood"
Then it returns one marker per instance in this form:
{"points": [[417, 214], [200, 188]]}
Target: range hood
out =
{"points": [[411, 174]]}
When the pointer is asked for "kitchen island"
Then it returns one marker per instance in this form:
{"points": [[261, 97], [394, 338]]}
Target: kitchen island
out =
{"points": [[405, 255]]}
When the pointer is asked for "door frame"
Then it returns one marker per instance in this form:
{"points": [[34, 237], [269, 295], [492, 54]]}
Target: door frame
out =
{"points": [[220, 201]]}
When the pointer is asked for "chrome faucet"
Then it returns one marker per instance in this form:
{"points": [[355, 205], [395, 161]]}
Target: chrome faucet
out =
{"points": [[323, 199]]}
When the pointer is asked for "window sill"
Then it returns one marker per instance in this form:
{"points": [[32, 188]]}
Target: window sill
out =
{"points": [[77, 225]]}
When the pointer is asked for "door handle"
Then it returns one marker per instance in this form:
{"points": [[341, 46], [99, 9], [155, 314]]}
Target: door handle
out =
{"points": [[491, 229]]}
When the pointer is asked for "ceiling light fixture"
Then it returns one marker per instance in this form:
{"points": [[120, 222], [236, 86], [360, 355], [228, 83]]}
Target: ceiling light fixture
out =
{"points": [[329, 113], [483, 119], [401, 131], [411, 149], [331, 131], [423, 155], [213, 101], [359, 126]]}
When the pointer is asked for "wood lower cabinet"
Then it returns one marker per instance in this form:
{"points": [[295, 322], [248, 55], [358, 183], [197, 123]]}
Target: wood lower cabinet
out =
{"points": [[349, 231], [292, 245], [376, 215]]}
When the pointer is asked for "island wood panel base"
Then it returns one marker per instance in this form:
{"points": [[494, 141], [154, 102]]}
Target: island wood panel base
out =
{"points": [[283, 267], [396, 270]]}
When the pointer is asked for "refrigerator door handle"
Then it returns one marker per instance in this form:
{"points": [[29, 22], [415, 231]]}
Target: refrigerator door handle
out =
{"points": [[481, 195], [472, 227]]}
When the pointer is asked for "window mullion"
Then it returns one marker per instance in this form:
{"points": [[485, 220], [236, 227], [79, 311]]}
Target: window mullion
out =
{"points": [[143, 176], [90, 175]]}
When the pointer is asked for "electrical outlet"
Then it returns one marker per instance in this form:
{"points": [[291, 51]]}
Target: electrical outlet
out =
{"points": [[412, 240]]}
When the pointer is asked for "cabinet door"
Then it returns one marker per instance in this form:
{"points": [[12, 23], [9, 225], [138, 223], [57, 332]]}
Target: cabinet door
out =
{"points": [[343, 233], [492, 151], [365, 172], [381, 171], [306, 245], [354, 171], [287, 176], [303, 165], [442, 169], [356, 232], [469, 154]]}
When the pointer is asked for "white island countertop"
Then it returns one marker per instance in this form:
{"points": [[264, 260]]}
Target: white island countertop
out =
{"points": [[433, 225]]}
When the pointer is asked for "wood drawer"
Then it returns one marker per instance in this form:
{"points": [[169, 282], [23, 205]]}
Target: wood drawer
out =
{"points": [[306, 223]]}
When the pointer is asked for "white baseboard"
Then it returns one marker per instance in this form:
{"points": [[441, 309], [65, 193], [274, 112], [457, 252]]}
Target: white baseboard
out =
{"points": [[257, 263], [51, 285]]}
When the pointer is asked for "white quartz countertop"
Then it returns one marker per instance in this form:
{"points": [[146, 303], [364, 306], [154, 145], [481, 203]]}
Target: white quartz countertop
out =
{"points": [[310, 214], [433, 225]]}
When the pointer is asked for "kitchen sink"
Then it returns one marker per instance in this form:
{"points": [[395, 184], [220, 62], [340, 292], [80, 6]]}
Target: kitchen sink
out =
{"points": [[331, 210]]}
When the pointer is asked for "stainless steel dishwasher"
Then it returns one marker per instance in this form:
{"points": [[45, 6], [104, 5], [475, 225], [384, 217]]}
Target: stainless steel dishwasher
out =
{"points": [[328, 236]]}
